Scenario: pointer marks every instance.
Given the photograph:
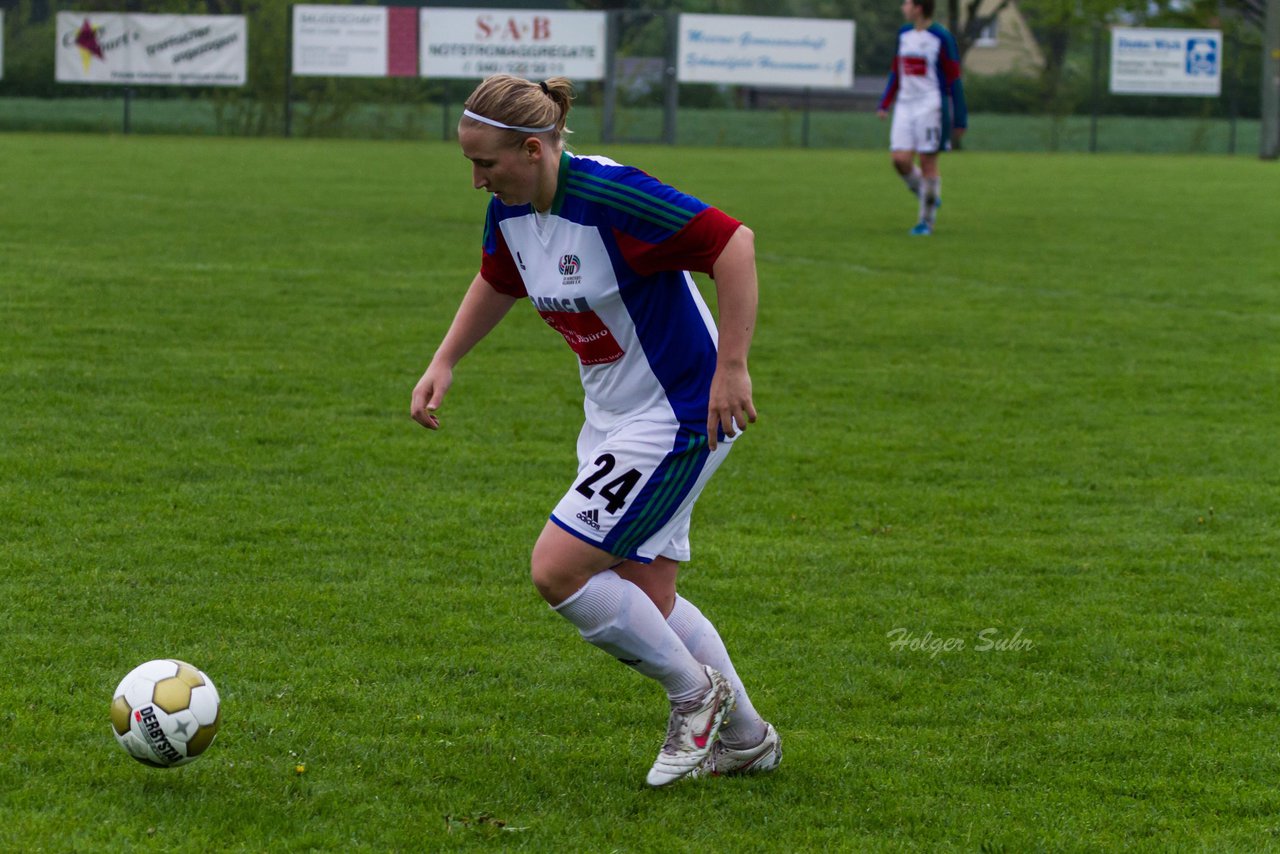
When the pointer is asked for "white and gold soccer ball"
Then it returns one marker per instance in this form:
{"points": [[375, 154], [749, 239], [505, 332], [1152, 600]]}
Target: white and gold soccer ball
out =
{"points": [[165, 713]]}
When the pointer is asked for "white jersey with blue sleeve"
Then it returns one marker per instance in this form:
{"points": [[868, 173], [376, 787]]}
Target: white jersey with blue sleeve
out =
{"points": [[607, 269]]}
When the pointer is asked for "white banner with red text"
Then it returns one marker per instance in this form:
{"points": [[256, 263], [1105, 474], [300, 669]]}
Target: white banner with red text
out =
{"points": [[355, 41], [471, 43]]}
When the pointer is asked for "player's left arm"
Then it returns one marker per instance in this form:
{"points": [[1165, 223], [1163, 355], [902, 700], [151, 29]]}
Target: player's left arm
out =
{"points": [[730, 407], [674, 231], [955, 87]]}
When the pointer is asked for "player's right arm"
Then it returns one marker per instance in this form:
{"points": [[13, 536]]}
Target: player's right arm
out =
{"points": [[481, 310], [891, 85]]}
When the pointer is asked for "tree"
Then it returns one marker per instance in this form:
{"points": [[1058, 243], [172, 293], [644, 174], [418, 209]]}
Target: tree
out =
{"points": [[969, 29]]}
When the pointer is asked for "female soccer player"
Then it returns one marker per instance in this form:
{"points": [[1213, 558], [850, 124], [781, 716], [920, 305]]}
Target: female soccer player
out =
{"points": [[930, 109], [602, 252]]}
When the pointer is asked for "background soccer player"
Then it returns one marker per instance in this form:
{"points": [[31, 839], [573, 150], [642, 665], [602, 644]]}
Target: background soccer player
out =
{"points": [[602, 252], [930, 109]]}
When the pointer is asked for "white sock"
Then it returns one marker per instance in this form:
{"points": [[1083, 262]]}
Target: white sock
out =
{"points": [[912, 180], [745, 727], [615, 615], [930, 192]]}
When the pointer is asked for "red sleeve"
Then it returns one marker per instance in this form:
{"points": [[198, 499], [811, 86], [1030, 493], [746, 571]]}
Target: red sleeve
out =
{"points": [[694, 247], [499, 269], [950, 69]]}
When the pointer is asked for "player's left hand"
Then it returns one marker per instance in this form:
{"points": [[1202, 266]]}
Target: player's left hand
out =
{"points": [[729, 408]]}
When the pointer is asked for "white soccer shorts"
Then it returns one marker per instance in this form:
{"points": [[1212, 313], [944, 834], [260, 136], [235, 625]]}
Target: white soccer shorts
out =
{"points": [[636, 487], [916, 129]]}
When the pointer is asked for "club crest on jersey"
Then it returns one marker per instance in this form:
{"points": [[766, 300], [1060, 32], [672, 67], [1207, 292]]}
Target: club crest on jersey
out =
{"points": [[569, 267]]}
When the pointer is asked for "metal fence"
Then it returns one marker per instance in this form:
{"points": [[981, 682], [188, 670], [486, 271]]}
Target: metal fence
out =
{"points": [[1064, 108]]}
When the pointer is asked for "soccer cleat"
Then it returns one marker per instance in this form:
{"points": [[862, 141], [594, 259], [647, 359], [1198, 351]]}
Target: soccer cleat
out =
{"points": [[727, 761], [691, 734], [921, 229]]}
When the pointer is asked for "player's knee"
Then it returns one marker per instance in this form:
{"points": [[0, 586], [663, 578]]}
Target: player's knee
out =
{"points": [[664, 600], [553, 582], [543, 579]]}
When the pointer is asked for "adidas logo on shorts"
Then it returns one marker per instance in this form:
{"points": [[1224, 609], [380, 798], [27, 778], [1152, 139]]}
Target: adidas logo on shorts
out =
{"points": [[591, 517]]}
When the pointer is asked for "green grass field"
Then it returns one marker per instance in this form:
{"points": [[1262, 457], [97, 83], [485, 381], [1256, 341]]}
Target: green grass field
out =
{"points": [[1052, 425]]}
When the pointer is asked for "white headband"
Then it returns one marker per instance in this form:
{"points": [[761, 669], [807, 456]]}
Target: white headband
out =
{"points": [[498, 124]]}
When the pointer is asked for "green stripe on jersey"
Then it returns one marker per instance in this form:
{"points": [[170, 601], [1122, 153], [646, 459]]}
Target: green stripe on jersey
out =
{"points": [[627, 189], [562, 183], [637, 204]]}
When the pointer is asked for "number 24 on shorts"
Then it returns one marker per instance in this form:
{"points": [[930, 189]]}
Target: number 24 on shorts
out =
{"points": [[615, 490]]}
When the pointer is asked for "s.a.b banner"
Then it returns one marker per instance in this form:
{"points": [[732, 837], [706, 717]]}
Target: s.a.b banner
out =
{"points": [[467, 43]]}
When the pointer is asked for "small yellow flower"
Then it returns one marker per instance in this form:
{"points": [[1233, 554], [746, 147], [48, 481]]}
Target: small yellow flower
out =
{"points": [[299, 768]]}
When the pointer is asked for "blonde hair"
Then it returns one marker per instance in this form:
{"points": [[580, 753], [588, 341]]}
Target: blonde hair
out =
{"points": [[519, 102]]}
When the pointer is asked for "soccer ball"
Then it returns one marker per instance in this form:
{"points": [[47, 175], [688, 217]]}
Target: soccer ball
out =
{"points": [[165, 713]]}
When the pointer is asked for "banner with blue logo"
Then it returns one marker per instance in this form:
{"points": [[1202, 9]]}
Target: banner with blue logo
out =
{"points": [[1166, 62]]}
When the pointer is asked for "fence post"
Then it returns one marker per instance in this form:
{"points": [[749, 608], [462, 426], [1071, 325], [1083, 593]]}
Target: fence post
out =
{"points": [[671, 101], [444, 110], [1233, 98], [1097, 83], [1270, 137], [613, 23], [288, 75], [804, 127]]}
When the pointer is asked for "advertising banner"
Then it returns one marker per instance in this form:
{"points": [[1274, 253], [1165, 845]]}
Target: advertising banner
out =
{"points": [[1166, 62], [355, 41], [468, 43], [151, 50], [755, 51]]}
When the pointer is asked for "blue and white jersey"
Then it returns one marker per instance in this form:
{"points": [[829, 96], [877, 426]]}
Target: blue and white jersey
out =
{"points": [[607, 269]]}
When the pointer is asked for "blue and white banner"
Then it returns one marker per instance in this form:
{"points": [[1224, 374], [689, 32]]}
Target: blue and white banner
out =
{"points": [[757, 51], [155, 50], [1166, 62]]}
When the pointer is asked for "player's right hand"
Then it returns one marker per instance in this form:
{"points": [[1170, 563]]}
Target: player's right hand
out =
{"points": [[428, 394], [881, 114]]}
